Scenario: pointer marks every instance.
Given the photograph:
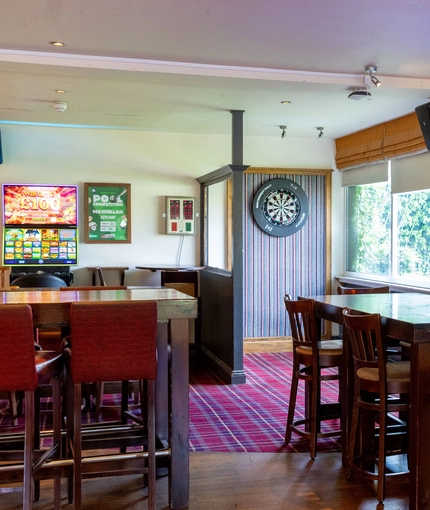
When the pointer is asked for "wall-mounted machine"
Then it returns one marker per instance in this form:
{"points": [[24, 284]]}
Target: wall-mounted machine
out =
{"points": [[180, 215]]}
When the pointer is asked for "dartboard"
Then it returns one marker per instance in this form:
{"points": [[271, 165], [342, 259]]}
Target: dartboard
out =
{"points": [[280, 207]]}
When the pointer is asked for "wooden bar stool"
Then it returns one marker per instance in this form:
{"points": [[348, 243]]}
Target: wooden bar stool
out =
{"points": [[21, 369], [380, 388], [310, 356]]}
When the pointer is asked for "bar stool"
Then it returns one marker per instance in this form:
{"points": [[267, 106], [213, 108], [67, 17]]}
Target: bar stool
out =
{"points": [[99, 391], [23, 370], [310, 355], [380, 388], [112, 341]]}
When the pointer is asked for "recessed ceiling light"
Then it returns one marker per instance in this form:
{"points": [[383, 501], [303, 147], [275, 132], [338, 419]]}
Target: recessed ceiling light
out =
{"points": [[285, 102], [60, 91], [57, 43]]}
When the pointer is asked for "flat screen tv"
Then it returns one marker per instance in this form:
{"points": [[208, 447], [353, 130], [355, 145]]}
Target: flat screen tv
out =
{"points": [[35, 246], [40, 204]]}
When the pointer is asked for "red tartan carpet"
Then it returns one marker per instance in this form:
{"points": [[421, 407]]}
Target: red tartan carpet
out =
{"points": [[247, 417], [250, 417]]}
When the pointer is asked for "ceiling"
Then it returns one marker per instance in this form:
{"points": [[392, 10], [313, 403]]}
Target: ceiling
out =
{"points": [[182, 65]]}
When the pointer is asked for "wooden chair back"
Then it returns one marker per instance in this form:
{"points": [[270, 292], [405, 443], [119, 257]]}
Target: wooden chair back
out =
{"points": [[5, 277], [365, 340], [301, 314], [94, 287], [364, 290]]}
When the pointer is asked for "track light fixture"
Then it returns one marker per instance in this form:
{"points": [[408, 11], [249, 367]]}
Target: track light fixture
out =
{"points": [[283, 131], [364, 93], [321, 132], [372, 69]]}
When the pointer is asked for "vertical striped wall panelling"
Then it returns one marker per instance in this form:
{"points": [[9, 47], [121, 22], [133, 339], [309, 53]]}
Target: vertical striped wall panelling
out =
{"points": [[275, 266]]}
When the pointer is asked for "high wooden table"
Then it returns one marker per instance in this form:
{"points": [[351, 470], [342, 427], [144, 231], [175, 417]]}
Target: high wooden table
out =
{"points": [[51, 308], [405, 316]]}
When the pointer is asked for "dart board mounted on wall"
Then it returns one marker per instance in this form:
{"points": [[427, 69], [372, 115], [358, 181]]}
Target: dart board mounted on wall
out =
{"points": [[280, 207]]}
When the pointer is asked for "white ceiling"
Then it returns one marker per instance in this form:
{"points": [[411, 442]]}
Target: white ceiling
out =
{"points": [[182, 65]]}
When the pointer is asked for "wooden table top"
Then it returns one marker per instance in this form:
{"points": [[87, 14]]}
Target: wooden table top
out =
{"points": [[71, 296], [50, 303], [409, 307]]}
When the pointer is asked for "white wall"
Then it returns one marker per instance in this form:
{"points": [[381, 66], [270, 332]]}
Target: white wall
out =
{"points": [[156, 165]]}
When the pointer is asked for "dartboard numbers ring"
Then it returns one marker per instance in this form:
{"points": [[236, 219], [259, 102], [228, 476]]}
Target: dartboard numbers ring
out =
{"points": [[280, 207]]}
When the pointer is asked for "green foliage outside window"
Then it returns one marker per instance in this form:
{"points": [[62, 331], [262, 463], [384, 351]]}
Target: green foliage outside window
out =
{"points": [[413, 239], [369, 231]]}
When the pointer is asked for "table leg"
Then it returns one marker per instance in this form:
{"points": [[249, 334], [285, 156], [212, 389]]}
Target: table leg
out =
{"points": [[162, 384], [180, 470], [419, 427]]}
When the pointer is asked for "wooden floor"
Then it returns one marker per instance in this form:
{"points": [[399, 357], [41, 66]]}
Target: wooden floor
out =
{"points": [[240, 481]]}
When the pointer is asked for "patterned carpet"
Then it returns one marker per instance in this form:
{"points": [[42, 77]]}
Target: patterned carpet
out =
{"points": [[247, 417], [250, 417]]}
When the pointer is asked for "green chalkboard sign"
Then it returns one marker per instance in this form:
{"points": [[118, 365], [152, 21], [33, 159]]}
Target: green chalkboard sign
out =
{"points": [[107, 213]]}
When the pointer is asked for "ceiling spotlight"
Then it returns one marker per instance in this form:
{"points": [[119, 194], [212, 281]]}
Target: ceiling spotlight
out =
{"points": [[372, 69], [321, 132], [375, 81], [283, 131]]}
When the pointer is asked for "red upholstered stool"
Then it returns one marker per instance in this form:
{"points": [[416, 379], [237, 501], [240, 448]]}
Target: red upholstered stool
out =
{"points": [[112, 341], [23, 370]]}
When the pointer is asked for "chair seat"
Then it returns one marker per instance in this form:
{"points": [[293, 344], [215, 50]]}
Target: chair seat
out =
{"points": [[396, 372], [326, 347], [398, 377]]}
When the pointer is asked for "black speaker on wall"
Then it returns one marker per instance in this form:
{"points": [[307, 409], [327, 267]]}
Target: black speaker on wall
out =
{"points": [[1, 152], [423, 114]]}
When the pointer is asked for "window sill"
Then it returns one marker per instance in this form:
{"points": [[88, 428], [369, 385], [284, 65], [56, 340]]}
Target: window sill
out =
{"points": [[394, 287]]}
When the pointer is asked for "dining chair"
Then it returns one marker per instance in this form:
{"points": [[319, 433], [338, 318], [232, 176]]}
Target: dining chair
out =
{"points": [[312, 357], [112, 341], [22, 369], [392, 345], [363, 290], [380, 389], [38, 280]]}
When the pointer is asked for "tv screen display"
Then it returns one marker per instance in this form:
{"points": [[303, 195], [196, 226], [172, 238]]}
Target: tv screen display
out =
{"points": [[35, 204], [40, 246]]}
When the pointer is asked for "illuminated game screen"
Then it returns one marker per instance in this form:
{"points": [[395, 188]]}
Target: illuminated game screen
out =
{"points": [[40, 246], [33, 204]]}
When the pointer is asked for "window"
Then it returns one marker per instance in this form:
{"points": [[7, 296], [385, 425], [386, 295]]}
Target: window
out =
{"points": [[388, 235], [368, 230]]}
